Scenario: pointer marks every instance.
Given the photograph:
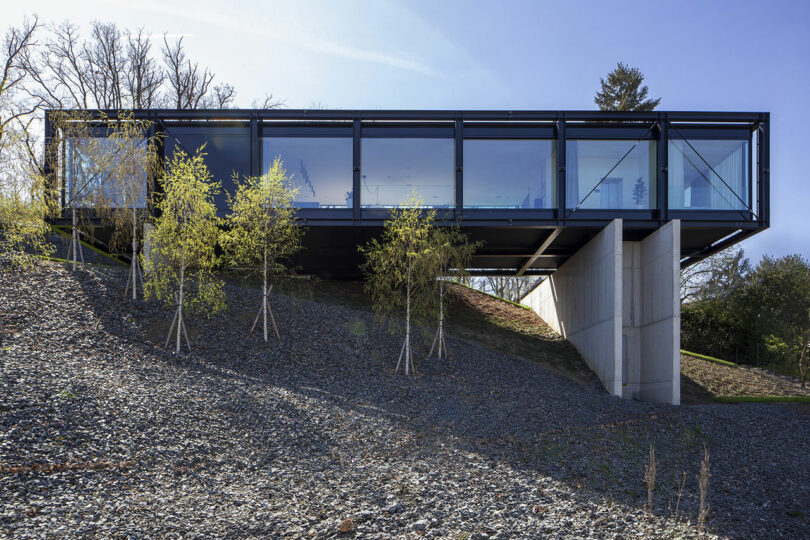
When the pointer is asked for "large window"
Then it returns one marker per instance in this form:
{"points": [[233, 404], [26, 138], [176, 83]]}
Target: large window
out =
{"points": [[509, 173], [393, 169], [227, 152], [610, 174], [320, 167], [105, 172], [708, 174]]}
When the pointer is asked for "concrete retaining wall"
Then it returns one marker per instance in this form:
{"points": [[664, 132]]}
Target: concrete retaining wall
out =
{"points": [[618, 303]]}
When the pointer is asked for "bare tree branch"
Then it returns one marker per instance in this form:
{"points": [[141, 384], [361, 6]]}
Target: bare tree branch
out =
{"points": [[269, 102], [188, 84]]}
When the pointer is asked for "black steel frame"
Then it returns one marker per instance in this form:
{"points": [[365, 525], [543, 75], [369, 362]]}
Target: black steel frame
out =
{"points": [[461, 125]]}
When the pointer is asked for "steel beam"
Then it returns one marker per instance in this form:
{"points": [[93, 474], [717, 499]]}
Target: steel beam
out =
{"points": [[546, 243]]}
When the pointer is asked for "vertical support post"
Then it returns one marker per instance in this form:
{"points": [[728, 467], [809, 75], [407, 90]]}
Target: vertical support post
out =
{"points": [[764, 171], [50, 163], [255, 149], [357, 134], [459, 133], [662, 184], [561, 204]]}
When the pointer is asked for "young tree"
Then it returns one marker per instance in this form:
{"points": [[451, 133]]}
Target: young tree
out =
{"points": [[263, 229], [184, 239], [453, 252], [623, 91], [89, 161], [135, 165], [401, 270]]}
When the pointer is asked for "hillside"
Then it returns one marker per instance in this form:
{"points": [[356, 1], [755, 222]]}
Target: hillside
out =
{"points": [[104, 433]]}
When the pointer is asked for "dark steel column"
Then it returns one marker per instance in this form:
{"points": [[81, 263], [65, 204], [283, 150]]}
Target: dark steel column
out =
{"points": [[764, 170], [357, 133], [255, 148], [561, 170], [459, 169], [51, 162], [662, 166]]}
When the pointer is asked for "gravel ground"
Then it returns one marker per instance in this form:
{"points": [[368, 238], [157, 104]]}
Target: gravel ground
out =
{"points": [[105, 434]]}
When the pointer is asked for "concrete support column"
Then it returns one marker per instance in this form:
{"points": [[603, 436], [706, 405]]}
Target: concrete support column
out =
{"points": [[659, 323], [582, 301], [618, 303]]}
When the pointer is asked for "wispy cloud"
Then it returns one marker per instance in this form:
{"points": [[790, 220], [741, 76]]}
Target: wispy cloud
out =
{"points": [[170, 36], [304, 38]]}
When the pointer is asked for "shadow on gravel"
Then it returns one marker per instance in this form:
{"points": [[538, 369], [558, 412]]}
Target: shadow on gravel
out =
{"points": [[326, 396]]}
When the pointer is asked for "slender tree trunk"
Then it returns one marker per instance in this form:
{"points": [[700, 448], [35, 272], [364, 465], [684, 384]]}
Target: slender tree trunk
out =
{"points": [[74, 247], [264, 295], [803, 364], [180, 325], [408, 324], [134, 265]]}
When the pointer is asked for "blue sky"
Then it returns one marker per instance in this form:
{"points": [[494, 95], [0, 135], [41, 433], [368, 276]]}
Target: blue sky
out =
{"points": [[697, 55]]}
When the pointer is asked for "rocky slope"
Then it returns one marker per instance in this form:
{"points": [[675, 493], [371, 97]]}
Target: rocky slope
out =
{"points": [[103, 433]]}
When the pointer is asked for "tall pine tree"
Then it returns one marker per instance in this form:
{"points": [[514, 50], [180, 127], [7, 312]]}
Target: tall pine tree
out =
{"points": [[623, 91]]}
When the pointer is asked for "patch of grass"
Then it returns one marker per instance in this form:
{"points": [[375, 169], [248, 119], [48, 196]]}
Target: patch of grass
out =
{"points": [[68, 394], [357, 327], [709, 358], [762, 399], [91, 247], [522, 306]]}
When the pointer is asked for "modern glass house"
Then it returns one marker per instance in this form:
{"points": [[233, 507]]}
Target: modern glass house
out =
{"points": [[538, 187]]}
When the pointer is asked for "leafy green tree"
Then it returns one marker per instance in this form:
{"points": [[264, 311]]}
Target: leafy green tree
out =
{"points": [[184, 240], [401, 271], [263, 230], [623, 91], [452, 252], [24, 204]]}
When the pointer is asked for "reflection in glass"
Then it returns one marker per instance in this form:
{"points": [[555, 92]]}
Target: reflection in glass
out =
{"points": [[614, 174], [227, 152], [320, 167], [708, 174], [395, 168], [509, 173], [94, 172]]}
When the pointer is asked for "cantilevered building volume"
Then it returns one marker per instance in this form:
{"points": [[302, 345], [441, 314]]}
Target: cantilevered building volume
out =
{"points": [[610, 205]]}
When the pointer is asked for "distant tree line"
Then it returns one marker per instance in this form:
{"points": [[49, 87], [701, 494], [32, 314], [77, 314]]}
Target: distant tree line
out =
{"points": [[755, 315]]}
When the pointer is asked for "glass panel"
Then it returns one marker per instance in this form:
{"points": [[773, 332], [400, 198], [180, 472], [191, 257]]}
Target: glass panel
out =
{"points": [[97, 165], [321, 168], [509, 173], [395, 168], [617, 174], [708, 174], [227, 152]]}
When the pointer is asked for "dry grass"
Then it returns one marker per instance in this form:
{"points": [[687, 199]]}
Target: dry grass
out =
{"points": [[702, 381], [703, 484]]}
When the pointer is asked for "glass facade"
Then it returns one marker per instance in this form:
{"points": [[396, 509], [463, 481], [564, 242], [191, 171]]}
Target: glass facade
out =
{"points": [[227, 153], [320, 167], [101, 171], [708, 174], [393, 169], [610, 174], [508, 166], [509, 173]]}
